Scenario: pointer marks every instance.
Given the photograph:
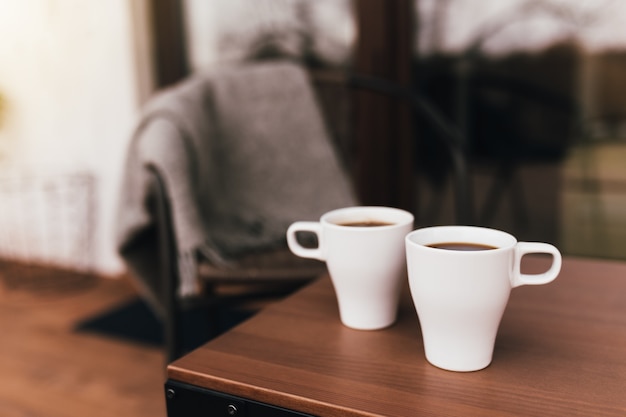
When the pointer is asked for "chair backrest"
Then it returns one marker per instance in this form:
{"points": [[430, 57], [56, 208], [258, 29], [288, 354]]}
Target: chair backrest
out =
{"points": [[272, 161], [243, 152]]}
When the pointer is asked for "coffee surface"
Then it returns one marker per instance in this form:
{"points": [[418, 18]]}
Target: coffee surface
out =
{"points": [[368, 223], [462, 246]]}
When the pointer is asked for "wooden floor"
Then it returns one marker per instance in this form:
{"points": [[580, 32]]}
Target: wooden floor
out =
{"points": [[49, 370]]}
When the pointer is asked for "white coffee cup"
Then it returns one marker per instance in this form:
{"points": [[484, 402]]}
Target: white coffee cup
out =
{"points": [[460, 295], [366, 262]]}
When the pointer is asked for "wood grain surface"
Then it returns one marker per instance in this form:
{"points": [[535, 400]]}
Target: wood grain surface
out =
{"points": [[560, 350], [48, 369]]}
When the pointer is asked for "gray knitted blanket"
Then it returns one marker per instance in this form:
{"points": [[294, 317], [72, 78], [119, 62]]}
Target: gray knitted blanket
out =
{"points": [[244, 152]]}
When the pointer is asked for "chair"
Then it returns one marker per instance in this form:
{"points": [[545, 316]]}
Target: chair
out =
{"points": [[219, 166]]}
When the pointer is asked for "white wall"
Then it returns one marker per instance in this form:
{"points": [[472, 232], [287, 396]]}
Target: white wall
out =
{"points": [[69, 79]]}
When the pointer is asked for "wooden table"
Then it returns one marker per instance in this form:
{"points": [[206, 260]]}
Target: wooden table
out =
{"points": [[561, 350]]}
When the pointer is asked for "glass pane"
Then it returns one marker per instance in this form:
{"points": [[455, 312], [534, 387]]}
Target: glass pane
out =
{"points": [[536, 90]]}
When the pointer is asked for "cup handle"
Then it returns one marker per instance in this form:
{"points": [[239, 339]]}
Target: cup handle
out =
{"points": [[523, 248], [299, 250]]}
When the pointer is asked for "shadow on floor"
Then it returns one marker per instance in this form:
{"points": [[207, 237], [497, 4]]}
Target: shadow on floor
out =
{"points": [[134, 321]]}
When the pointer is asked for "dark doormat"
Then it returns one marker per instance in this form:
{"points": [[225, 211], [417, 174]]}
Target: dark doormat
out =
{"points": [[135, 322]]}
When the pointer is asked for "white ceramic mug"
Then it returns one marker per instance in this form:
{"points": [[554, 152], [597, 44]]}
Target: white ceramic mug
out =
{"points": [[460, 295], [366, 262]]}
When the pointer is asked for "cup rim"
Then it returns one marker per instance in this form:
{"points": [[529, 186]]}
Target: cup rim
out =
{"points": [[398, 217], [479, 235]]}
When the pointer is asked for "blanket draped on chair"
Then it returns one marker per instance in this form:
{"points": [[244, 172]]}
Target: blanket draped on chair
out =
{"points": [[244, 152]]}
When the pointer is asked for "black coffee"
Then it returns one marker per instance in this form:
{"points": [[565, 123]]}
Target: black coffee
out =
{"points": [[368, 223], [462, 246]]}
